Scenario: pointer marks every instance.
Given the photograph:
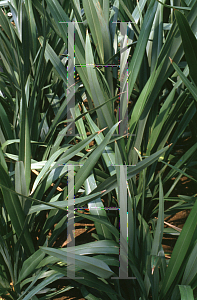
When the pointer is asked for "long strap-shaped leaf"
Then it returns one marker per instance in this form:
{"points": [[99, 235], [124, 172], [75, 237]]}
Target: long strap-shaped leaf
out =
{"points": [[138, 55], [191, 88], [189, 43], [90, 264], [15, 211], [111, 183], [179, 252], [90, 163]]}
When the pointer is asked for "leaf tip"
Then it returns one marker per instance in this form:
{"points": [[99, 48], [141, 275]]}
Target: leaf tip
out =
{"points": [[101, 130], [171, 60]]}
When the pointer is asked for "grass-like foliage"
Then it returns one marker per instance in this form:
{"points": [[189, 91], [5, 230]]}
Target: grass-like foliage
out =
{"points": [[154, 44]]}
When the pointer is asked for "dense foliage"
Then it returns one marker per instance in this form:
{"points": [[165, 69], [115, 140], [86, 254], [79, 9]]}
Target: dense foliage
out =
{"points": [[155, 46]]}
